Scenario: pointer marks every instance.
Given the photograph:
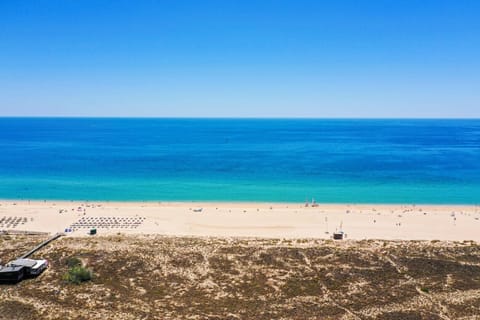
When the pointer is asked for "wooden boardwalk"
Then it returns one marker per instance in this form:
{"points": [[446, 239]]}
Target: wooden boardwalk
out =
{"points": [[41, 245]]}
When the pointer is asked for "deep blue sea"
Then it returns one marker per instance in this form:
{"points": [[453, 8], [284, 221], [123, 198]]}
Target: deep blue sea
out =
{"points": [[288, 160]]}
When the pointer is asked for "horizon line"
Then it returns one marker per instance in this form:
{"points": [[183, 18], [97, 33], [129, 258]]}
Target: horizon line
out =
{"points": [[233, 117]]}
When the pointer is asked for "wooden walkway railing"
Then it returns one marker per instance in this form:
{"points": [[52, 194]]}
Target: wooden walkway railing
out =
{"points": [[41, 245]]}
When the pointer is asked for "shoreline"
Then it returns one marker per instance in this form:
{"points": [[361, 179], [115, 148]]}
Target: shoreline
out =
{"points": [[236, 202]]}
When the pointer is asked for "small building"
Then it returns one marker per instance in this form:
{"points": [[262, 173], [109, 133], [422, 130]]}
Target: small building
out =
{"points": [[11, 274], [32, 267], [338, 235]]}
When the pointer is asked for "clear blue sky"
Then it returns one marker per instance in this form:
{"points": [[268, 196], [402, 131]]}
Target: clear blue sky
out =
{"points": [[225, 58]]}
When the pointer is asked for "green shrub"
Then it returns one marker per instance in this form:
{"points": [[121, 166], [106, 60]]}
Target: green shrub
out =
{"points": [[78, 274], [73, 262]]}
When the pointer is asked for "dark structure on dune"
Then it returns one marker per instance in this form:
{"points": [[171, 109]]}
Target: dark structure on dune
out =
{"points": [[19, 269], [23, 267]]}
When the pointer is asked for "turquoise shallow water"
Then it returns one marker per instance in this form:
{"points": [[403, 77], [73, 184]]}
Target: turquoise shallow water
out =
{"points": [[374, 161]]}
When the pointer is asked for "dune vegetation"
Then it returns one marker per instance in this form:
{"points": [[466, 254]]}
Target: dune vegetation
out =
{"points": [[156, 277]]}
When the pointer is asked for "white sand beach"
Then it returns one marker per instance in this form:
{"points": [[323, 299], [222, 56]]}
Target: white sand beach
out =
{"points": [[277, 220]]}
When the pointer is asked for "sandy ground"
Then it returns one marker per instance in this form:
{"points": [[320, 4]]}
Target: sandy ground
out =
{"points": [[390, 222]]}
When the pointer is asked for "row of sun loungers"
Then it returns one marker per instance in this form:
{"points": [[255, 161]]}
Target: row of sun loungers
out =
{"points": [[12, 222], [108, 223]]}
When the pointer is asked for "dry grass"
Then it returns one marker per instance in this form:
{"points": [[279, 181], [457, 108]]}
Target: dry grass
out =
{"points": [[155, 277]]}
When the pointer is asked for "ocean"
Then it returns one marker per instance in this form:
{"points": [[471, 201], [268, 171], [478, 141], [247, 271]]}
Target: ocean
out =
{"points": [[273, 160]]}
